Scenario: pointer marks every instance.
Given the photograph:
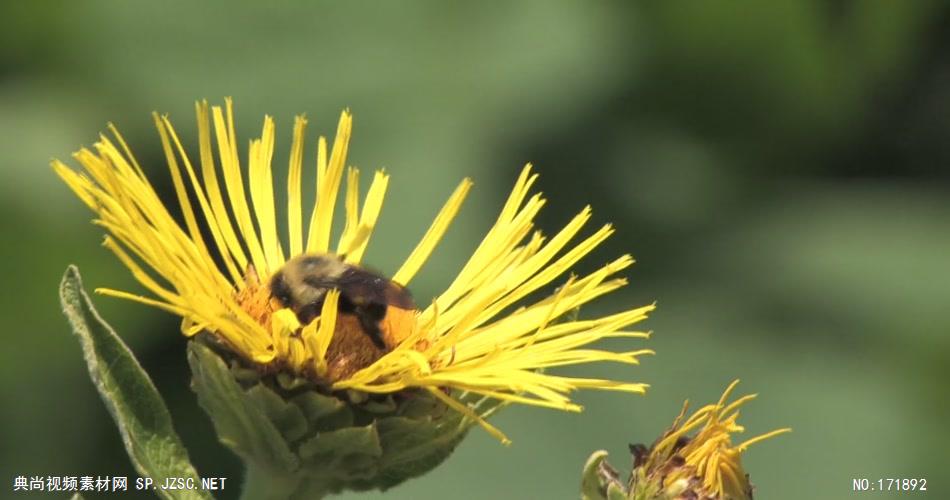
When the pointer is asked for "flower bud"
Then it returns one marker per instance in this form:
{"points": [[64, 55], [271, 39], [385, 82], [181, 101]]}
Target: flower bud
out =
{"points": [[704, 466]]}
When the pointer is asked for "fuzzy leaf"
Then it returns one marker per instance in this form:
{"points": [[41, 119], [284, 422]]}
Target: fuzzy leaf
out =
{"points": [[136, 406]]}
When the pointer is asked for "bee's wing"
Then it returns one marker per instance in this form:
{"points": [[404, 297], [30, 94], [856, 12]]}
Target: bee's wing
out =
{"points": [[363, 287]]}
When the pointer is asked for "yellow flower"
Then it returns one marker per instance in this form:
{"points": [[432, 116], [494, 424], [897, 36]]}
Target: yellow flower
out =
{"points": [[709, 456], [465, 339]]}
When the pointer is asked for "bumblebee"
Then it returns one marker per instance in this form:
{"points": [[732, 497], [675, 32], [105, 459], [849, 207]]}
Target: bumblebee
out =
{"points": [[302, 285]]}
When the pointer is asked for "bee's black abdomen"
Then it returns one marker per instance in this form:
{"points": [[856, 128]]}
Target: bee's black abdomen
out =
{"points": [[398, 296], [373, 310]]}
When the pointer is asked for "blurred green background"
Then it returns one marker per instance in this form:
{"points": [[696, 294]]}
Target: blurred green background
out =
{"points": [[779, 170]]}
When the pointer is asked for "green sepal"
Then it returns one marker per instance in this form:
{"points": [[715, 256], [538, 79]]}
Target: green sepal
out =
{"points": [[329, 449], [136, 406], [616, 492], [288, 418], [240, 421], [306, 443], [592, 487], [600, 481], [416, 445], [323, 413]]}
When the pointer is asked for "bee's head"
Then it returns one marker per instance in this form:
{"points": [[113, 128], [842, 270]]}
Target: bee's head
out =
{"points": [[280, 290]]}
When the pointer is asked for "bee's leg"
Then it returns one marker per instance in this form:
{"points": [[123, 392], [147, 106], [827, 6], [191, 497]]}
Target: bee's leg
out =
{"points": [[370, 315], [309, 312]]}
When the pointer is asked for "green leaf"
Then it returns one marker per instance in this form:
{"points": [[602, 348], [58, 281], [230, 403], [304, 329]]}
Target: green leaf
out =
{"points": [[136, 406]]}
